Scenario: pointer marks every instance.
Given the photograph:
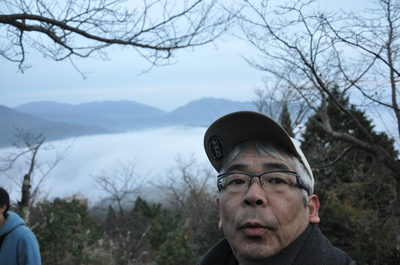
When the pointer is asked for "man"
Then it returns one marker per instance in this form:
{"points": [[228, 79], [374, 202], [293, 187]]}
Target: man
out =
{"points": [[18, 245], [268, 211]]}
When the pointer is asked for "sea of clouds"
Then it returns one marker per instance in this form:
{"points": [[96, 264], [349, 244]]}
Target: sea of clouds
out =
{"points": [[154, 153]]}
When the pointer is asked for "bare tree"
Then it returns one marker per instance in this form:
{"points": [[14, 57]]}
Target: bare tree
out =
{"points": [[121, 184], [71, 29], [275, 101], [308, 52], [190, 190], [187, 188], [27, 147], [129, 231]]}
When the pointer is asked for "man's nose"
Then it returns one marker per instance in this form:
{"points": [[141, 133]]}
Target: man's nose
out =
{"points": [[255, 194]]}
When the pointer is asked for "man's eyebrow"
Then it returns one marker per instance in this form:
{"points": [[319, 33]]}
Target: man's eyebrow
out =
{"points": [[237, 167], [276, 166], [267, 166]]}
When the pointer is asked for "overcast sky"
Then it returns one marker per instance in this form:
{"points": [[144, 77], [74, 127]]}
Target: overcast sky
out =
{"points": [[204, 72], [207, 71]]}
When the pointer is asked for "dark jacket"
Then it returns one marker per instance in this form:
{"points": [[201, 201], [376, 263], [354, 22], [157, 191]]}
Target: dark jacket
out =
{"points": [[310, 248], [20, 246]]}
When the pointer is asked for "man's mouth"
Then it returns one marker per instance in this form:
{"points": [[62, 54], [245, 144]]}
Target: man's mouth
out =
{"points": [[253, 229]]}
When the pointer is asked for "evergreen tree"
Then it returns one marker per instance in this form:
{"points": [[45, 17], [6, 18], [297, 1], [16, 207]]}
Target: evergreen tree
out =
{"points": [[355, 189], [66, 232], [127, 243], [111, 220], [285, 121]]}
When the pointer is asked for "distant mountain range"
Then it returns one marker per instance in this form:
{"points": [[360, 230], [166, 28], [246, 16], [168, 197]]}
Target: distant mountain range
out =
{"points": [[59, 121]]}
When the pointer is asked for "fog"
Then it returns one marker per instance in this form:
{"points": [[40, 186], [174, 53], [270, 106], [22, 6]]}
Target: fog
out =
{"points": [[153, 153]]}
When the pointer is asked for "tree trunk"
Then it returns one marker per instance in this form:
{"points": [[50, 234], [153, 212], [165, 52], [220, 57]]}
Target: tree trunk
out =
{"points": [[26, 196]]}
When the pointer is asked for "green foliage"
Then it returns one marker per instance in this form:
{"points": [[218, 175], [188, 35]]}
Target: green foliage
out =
{"points": [[124, 242], [355, 191], [147, 233], [176, 250], [65, 231], [207, 234], [150, 211], [176, 242], [162, 224], [111, 220], [340, 122], [285, 121]]}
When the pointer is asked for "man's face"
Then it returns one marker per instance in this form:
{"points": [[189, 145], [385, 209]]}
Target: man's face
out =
{"points": [[259, 223], [2, 219]]}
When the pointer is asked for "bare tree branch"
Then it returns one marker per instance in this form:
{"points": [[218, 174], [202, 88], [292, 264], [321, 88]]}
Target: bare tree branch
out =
{"points": [[310, 52], [68, 29], [27, 147], [121, 184]]}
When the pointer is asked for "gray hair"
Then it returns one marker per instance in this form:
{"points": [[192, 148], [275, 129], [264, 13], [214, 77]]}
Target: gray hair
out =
{"points": [[267, 148]]}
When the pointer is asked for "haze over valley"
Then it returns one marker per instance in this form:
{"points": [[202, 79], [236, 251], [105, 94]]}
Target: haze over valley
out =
{"points": [[104, 135]]}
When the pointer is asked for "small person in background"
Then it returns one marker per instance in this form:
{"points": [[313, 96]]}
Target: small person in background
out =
{"points": [[18, 245]]}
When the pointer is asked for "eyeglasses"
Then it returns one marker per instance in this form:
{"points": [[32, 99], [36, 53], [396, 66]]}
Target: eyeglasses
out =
{"points": [[272, 181]]}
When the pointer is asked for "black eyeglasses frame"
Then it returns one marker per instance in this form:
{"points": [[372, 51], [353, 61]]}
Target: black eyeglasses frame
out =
{"points": [[299, 182]]}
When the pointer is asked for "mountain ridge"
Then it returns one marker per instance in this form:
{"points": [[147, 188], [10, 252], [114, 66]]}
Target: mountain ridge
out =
{"points": [[61, 120], [11, 119]]}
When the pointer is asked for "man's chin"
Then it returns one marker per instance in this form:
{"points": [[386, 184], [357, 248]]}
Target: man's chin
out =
{"points": [[254, 252]]}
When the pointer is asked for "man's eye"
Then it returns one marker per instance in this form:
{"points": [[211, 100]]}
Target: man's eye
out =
{"points": [[235, 182], [277, 181]]}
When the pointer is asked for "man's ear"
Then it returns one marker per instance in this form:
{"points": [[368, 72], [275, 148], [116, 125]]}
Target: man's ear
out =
{"points": [[220, 218], [313, 207]]}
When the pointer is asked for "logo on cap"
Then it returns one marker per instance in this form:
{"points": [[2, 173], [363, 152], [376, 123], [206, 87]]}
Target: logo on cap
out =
{"points": [[216, 147]]}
